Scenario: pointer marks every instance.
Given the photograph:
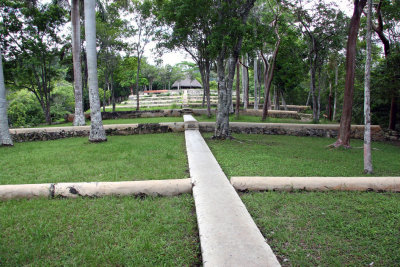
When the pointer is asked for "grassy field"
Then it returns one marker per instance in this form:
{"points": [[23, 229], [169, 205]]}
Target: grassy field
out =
{"points": [[111, 231], [273, 155], [125, 121], [121, 158], [330, 228]]}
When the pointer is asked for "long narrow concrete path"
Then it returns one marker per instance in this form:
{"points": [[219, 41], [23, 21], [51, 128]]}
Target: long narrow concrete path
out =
{"points": [[228, 234]]}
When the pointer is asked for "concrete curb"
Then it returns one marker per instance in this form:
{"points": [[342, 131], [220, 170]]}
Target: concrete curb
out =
{"points": [[171, 187], [390, 184], [228, 234]]}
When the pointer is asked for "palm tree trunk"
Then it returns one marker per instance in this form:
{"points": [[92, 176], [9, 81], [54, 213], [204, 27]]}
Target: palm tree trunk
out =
{"points": [[97, 133], [5, 138], [367, 107], [79, 119]]}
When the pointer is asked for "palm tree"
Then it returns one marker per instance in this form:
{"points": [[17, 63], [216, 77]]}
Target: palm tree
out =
{"points": [[97, 133], [5, 138], [79, 118]]}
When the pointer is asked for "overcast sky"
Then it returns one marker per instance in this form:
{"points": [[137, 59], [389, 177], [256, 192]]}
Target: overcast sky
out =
{"points": [[173, 58]]}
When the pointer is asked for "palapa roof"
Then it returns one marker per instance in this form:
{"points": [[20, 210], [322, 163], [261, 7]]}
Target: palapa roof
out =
{"points": [[187, 83]]}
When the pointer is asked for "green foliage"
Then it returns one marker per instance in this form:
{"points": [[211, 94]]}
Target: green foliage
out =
{"points": [[33, 47], [24, 110], [63, 101]]}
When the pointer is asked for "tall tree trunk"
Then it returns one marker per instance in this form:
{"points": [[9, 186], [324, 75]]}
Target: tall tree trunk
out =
{"points": [[345, 121], [205, 79], [313, 94], [203, 102], [208, 69], [367, 110], [97, 133], [79, 118], [335, 96], [237, 90], [47, 112], [104, 93], [379, 29], [137, 82], [393, 112], [245, 82], [255, 83], [268, 76], [222, 121], [308, 97], [5, 138], [112, 93], [283, 102], [320, 83], [330, 102]]}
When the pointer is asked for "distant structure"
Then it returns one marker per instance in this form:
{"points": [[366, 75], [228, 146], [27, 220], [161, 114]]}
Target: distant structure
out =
{"points": [[186, 84]]}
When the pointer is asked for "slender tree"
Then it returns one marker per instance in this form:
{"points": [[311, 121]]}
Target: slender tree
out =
{"points": [[245, 81], [5, 138], [345, 121], [237, 89], [270, 68], [79, 118], [97, 132], [367, 108], [231, 17], [380, 30], [256, 82]]}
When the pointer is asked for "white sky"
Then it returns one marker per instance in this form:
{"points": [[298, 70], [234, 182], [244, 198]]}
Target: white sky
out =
{"points": [[175, 57]]}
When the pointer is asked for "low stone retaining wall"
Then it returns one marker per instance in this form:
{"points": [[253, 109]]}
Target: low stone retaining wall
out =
{"points": [[43, 134], [320, 130]]}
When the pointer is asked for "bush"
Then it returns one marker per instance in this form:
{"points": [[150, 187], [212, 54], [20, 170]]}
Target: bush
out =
{"points": [[24, 109], [62, 101]]}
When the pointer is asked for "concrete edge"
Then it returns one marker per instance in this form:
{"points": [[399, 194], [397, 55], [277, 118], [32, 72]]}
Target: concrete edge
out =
{"points": [[170, 187], [228, 233], [190, 122], [379, 184]]}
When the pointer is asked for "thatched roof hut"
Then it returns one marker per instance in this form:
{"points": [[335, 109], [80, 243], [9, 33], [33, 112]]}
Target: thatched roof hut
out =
{"points": [[186, 84]]}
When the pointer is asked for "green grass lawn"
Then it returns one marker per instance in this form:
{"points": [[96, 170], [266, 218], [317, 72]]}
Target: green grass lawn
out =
{"points": [[125, 121], [329, 228], [277, 155], [121, 158], [110, 231]]}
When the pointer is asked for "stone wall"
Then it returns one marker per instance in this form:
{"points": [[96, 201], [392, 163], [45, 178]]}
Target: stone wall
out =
{"points": [[43, 134], [319, 130]]}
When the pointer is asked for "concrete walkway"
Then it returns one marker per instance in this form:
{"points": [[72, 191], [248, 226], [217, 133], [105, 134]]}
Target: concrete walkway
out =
{"points": [[228, 234]]}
